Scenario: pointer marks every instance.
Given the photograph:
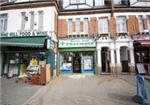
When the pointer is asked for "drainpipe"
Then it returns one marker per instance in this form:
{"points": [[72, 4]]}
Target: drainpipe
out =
{"points": [[112, 7]]}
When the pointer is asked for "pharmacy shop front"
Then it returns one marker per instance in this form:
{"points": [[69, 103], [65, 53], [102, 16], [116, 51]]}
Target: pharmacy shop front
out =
{"points": [[77, 55]]}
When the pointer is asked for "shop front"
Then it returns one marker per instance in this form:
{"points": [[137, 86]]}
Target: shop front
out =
{"points": [[142, 53], [18, 53], [77, 55]]}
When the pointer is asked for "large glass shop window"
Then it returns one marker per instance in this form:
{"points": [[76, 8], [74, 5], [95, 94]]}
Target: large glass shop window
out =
{"points": [[13, 63], [66, 62], [87, 62]]}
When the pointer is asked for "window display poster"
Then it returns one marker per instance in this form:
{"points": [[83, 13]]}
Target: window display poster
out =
{"points": [[87, 61], [66, 67]]}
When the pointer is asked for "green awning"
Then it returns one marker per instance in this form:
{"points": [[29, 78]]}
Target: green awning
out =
{"points": [[32, 41]]}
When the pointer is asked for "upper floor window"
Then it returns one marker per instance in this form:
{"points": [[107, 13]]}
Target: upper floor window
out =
{"points": [[41, 14], [103, 25], [77, 1], [121, 24], [32, 20], [3, 22], [70, 26], [85, 25], [99, 3], [117, 2], [78, 25], [148, 21], [24, 18], [141, 23]]}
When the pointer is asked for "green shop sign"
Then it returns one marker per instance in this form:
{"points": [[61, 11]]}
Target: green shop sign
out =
{"points": [[71, 43], [15, 34]]}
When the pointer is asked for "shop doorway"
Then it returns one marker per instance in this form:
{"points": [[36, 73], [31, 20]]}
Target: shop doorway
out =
{"points": [[105, 60], [77, 63], [124, 57]]}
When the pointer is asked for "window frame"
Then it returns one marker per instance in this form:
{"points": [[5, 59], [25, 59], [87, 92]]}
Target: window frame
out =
{"points": [[122, 23], [85, 25], [78, 25], [70, 26], [40, 20], [3, 22], [141, 23], [76, 2], [103, 25]]}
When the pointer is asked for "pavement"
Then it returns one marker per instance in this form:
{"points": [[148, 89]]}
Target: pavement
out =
{"points": [[88, 90], [73, 89], [13, 93]]}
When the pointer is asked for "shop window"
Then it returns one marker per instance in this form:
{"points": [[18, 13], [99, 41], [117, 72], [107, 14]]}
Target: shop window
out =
{"points": [[3, 22]]}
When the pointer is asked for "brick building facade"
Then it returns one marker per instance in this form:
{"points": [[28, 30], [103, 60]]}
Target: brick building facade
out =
{"points": [[111, 24], [95, 36]]}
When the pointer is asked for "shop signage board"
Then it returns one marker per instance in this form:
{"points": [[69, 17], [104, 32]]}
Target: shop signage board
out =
{"points": [[72, 43], [141, 37], [26, 33]]}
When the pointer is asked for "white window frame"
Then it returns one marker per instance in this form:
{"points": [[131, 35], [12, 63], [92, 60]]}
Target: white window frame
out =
{"points": [[99, 3], [85, 25], [70, 26], [148, 22], [32, 20], [117, 2], [103, 25], [23, 20], [77, 1], [3, 22], [141, 23], [78, 25], [121, 24], [41, 20]]}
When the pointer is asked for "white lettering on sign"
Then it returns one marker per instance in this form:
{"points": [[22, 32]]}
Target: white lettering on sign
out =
{"points": [[15, 34], [141, 37], [66, 43]]}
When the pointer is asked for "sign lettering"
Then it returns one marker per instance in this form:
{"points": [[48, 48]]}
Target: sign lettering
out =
{"points": [[68, 43], [16, 34]]}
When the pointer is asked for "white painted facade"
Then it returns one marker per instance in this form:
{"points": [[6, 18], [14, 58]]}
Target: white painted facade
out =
{"points": [[71, 4], [14, 19], [145, 3]]}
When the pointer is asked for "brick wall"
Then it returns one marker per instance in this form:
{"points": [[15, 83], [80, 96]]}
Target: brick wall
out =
{"points": [[132, 25], [62, 28], [93, 26], [112, 27], [145, 23]]}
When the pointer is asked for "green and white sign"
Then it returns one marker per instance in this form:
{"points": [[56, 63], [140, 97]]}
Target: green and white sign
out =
{"points": [[72, 43], [18, 34]]}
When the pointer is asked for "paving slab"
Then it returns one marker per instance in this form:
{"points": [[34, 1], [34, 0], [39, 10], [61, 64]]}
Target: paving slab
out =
{"points": [[88, 90], [13, 93]]}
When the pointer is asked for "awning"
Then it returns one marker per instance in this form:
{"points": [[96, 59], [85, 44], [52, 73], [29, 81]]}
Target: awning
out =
{"points": [[32, 41]]}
